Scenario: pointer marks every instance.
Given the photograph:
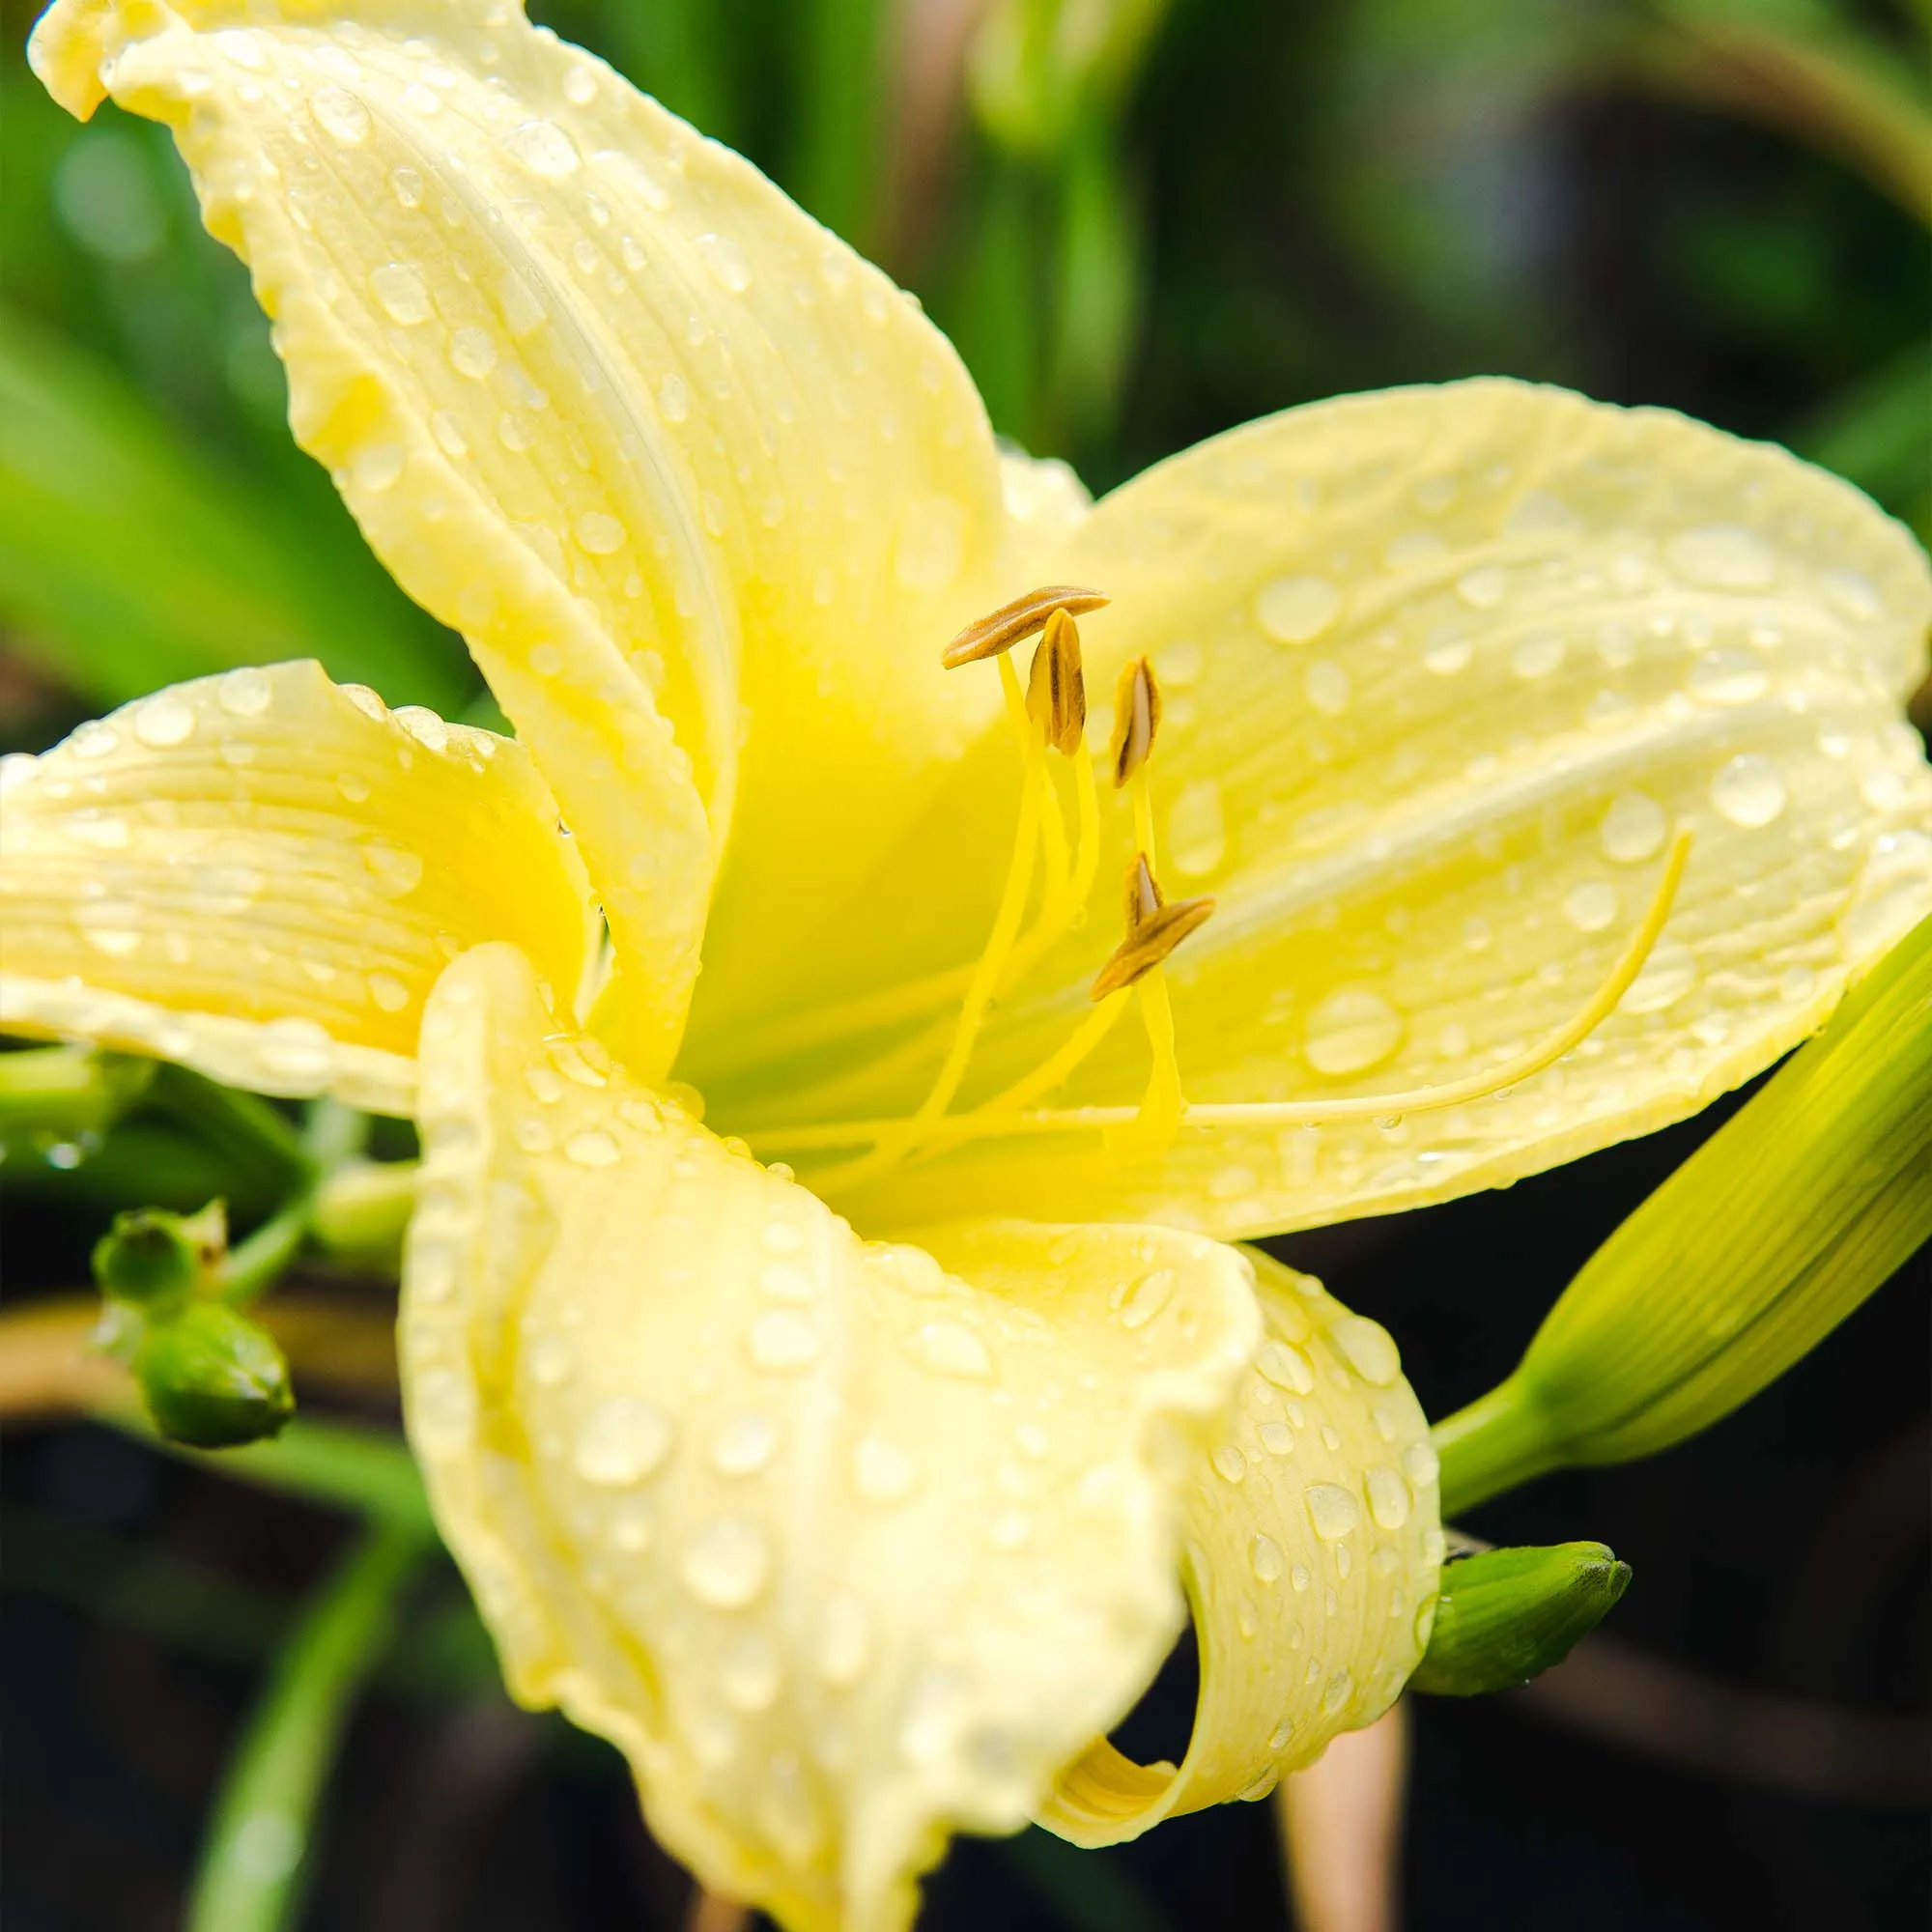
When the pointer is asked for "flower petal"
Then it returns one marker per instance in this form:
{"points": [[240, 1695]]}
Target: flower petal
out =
{"points": [[844, 1546], [261, 875], [1443, 668], [1315, 1549], [606, 401]]}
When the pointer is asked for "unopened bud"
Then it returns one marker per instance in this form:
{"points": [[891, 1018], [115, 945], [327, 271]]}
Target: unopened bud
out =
{"points": [[1811, 1196], [1136, 720], [1507, 1615], [212, 1380], [158, 1259]]}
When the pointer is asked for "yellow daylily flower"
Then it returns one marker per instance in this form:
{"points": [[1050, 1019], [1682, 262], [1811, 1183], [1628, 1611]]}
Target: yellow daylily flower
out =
{"points": [[854, 1508]]}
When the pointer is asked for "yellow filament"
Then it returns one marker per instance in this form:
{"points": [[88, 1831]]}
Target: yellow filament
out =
{"points": [[1161, 1110], [1144, 820], [1059, 866], [1295, 1112], [893, 1147]]}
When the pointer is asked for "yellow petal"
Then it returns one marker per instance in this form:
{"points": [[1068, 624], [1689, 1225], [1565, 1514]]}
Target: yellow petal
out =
{"points": [[1315, 1549], [606, 401], [843, 1546], [261, 875], [1442, 670]]}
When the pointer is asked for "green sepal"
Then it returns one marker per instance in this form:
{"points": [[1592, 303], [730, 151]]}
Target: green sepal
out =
{"points": [[1507, 1615], [213, 1379], [160, 1260]]}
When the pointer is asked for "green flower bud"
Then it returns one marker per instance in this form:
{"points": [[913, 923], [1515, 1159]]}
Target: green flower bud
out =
{"points": [[213, 1379], [158, 1259], [1811, 1196], [1507, 1615]]}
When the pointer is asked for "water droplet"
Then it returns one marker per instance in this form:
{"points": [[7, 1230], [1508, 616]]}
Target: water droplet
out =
{"points": [[164, 721], [1229, 1464], [1139, 1301], [1388, 1497], [1727, 677], [1412, 548], [395, 871], [1446, 651], [743, 1444], [1425, 1623], [1298, 1577], [1368, 1347], [401, 292], [340, 115], [375, 467], [674, 399], [244, 692], [1265, 1558], [844, 1641], [1851, 593], [1538, 654], [110, 926], [544, 148], [782, 1339], [94, 740], [1723, 556], [1669, 974], [1197, 830], [751, 1675], [1336, 1693], [295, 1050], [601, 534], [1277, 1438], [784, 1281], [1332, 1510], [1327, 687], [1592, 906], [448, 433], [725, 1563], [388, 992], [725, 260], [1539, 513], [473, 353], [1420, 1462], [1286, 1366], [1296, 610], [1633, 828], [1749, 790], [882, 1472], [579, 86], [1484, 588], [1351, 1031], [621, 1441], [951, 1349], [549, 1360], [407, 184]]}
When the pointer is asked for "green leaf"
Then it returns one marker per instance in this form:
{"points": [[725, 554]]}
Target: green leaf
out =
{"points": [[1507, 1615], [129, 560]]}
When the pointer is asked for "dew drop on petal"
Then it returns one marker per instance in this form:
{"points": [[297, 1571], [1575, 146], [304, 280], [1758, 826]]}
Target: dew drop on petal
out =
{"points": [[1296, 610], [340, 115], [951, 1349], [782, 1339], [401, 292], [743, 1444], [544, 148], [621, 1441], [1749, 790], [1388, 1497], [1368, 1347], [1591, 906], [1351, 1031], [1265, 1558], [725, 260], [164, 721], [244, 692], [725, 1563], [1286, 1366], [1332, 1510], [1633, 828], [1722, 556], [599, 532], [882, 1472], [1420, 1462], [473, 353]]}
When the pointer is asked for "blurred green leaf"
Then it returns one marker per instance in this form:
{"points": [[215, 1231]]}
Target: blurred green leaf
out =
{"points": [[129, 560]]}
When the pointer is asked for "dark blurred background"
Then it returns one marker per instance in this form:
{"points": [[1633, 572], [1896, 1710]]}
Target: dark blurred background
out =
{"points": [[1142, 223]]}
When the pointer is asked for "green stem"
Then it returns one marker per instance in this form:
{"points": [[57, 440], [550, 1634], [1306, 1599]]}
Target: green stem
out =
{"points": [[241, 1126], [361, 1210], [252, 1264], [254, 1862], [1499, 1442]]}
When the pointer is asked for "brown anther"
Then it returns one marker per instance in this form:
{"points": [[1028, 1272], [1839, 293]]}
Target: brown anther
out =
{"points": [[1013, 623], [1136, 720], [1144, 897], [1149, 943], [1056, 686]]}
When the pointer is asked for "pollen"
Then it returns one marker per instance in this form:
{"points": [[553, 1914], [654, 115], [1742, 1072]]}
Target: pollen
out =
{"points": [[1056, 699], [1013, 623], [1136, 720]]}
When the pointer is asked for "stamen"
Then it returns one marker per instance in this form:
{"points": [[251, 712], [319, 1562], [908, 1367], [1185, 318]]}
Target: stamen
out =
{"points": [[1056, 687], [1270, 1113], [1154, 928], [1013, 623], [1136, 720]]}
